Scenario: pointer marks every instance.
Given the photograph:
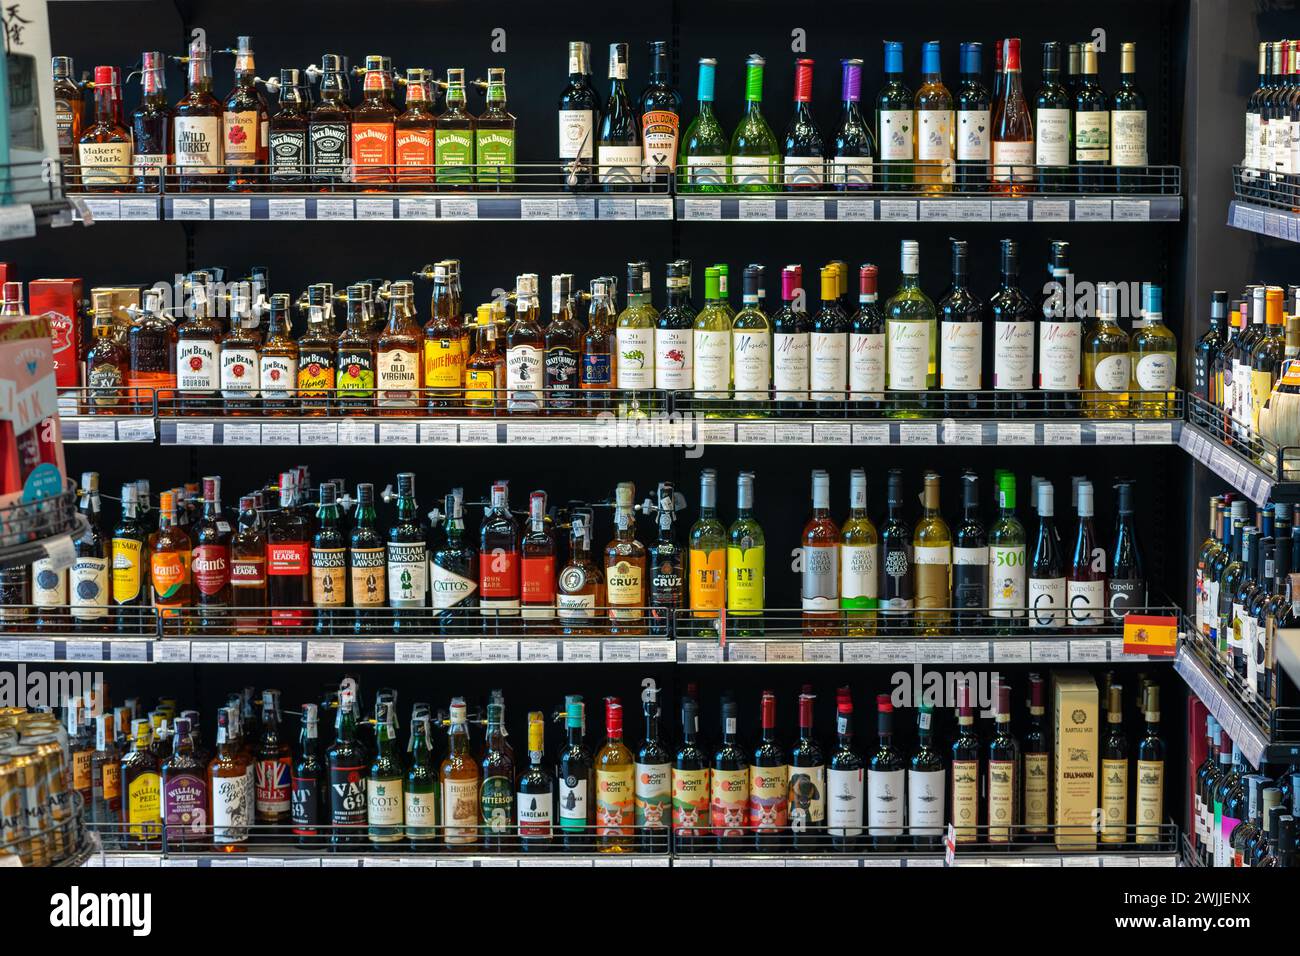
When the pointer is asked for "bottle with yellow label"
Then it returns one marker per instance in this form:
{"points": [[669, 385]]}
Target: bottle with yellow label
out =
{"points": [[615, 785], [142, 787], [625, 567], [484, 370], [745, 562], [707, 561], [130, 559], [444, 351], [1114, 771]]}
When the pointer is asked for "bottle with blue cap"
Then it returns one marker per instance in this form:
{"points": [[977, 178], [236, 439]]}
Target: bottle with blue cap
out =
{"points": [[895, 122], [1155, 358], [935, 120], [974, 123], [702, 163]]}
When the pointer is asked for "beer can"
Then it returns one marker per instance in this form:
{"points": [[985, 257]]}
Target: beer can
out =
{"points": [[34, 836], [59, 797], [13, 827]]}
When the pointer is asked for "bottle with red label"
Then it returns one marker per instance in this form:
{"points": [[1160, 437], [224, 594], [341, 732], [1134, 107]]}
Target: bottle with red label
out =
{"points": [[248, 568], [768, 779], [373, 126], [245, 124], [210, 565], [288, 569], [499, 590], [274, 766], [537, 575]]}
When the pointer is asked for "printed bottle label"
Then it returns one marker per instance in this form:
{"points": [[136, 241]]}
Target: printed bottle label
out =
{"points": [[573, 803], [1013, 162], [1112, 373], [1013, 355], [210, 567], [729, 801], [673, 358], [690, 801], [820, 583], [807, 797], [1046, 602], [745, 582], [408, 574], [619, 164], [1037, 807], [965, 799], [636, 368], [1087, 600], [1149, 809], [790, 365], [197, 142], [895, 129], [1052, 137], [753, 170], [577, 140], [615, 798], [328, 586], [845, 804], [279, 374], [961, 349], [712, 364], [1114, 800], [885, 796], [768, 791], [288, 151], [536, 814], [1155, 373], [421, 812], [653, 794], [1092, 136], [240, 374], [448, 588], [866, 366], [460, 810], [368, 569], [241, 130], [232, 808], [49, 586], [828, 372], [659, 136], [706, 170], [196, 365], [398, 378], [751, 363], [304, 804], [1128, 137], [88, 588], [808, 171], [1059, 355], [347, 795], [925, 802], [974, 135], [850, 171], [859, 587], [1001, 799], [708, 576], [934, 134], [1007, 581]]}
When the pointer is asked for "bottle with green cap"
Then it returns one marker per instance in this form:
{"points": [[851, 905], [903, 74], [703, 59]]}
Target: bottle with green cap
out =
{"points": [[1007, 558], [711, 342], [577, 806], [754, 162]]}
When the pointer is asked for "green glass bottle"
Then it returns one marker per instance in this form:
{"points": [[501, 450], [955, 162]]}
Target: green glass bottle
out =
{"points": [[707, 560], [746, 563], [711, 343], [1106, 361], [895, 119], [751, 349], [421, 781], [1155, 357], [911, 338], [636, 340], [497, 793], [754, 158], [702, 156], [859, 561], [1007, 560], [385, 806]]}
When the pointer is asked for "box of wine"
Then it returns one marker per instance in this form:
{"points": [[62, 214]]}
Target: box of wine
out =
{"points": [[1076, 735]]}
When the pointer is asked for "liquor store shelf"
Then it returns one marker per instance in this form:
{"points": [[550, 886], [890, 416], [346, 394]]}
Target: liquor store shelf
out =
{"points": [[1265, 220], [1266, 735], [623, 208], [774, 637], [1250, 463]]}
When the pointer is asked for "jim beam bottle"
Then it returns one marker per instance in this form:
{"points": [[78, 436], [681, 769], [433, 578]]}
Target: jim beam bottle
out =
{"points": [[240, 372], [196, 126], [278, 369], [354, 368], [197, 372]]}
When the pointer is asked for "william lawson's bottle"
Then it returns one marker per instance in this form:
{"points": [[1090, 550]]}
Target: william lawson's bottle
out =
{"points": [[329, 584], [367, 564]]}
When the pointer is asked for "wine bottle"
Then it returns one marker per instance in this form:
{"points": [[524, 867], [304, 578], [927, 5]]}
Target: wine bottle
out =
{"points": [[895, 120], [804, 152], [935, 125], [1052, 125], [854, 148], [974, 123], [1013, 128], [1046, 586], [961, 337], [702, 165], [618, 148]]}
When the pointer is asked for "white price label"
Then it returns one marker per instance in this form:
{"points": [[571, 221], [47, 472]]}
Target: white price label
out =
{"points": [[134, 652], [655, 652], [855, 210], [538, 651], [247, 652], [279, 433], [583, 652], [827, 433], [1015, 433], [619, 651], [805, 209], [88, 430], [319, 433], [870, 433], [533, 209], [416, 207], [1051, 210], [462, 651], [324, 652], [1010, 210], [1062, 433], [335, 209], [136, 429], [284, 652], [918, 433], [356, 433], [746, 652], [171, 652], [696, 209], [209, 652], [286, 210], [703, 652], [1114, 433], [898, 210], [238, 209], [398, 433], [412, 652], [1092, 210], [194, 433], [756, 209], [242, 433], [374, 208], [191, 209]]}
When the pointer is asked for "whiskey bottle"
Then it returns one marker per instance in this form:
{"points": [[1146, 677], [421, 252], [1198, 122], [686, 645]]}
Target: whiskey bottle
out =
{"points": [[229, 785], [329, 126], [196, 126], [460, 783], [346, 760], [408, 558], [525, 348], [278, 368], [414, 130], [248, 592], [563, 348], [497, 768], [316, 352], [354, 357], [211, 562], [274, 768], [130, 563], [444, 356], [106, 362], [398, 355], [625, 567], [88, 578], [494, 134], [141, 785], [454, 570], [104, 149], [580, 589], [307, 787], [385, 803], [329, 575], [288, 565], [499, 585], [367, 564], [245, 124], [373, 129], [665, 561], [537, 568], [197, 335], [484, 369], [151, 125], [599, 362], [240, 353], [453, 135], [169, 563], [151, 355], [421, 788], [184, 782], [287, 133], [535, 794], [69, 114]]}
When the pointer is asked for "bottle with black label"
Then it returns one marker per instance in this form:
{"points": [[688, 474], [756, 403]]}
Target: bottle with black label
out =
{"points": [[665, 559], [970, 556], [1126, 587], [288, 133], [329, 127], [307, 790], [896, 557], [348, 773]]}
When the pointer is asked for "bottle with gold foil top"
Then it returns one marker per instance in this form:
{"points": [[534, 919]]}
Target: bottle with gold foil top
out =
{"points": [[444, 356], [625, 567], [1036, 747], [494, 133], [615, 785], [1149, 810], [374, 127], [1114, 770], [245, 123], [932, 560], [746, 564]]}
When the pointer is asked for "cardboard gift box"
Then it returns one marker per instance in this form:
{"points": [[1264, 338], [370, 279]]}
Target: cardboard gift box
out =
{"points": [[31, 445], [59, 302]]}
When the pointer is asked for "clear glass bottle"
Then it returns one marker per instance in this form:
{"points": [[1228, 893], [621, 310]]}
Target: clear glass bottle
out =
{"points": [[1154, 358], [911, 339], [935, 126], [1107, 364]]}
